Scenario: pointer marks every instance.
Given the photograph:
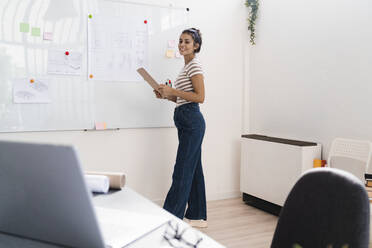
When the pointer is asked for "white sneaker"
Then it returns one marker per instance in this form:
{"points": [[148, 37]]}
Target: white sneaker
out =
{"points": [[196, 223]]}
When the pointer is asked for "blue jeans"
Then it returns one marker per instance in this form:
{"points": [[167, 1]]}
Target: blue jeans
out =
{"points": [[188, 179]]}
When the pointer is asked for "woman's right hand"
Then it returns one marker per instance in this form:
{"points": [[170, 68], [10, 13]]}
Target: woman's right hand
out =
{"points": [[157, 94]]}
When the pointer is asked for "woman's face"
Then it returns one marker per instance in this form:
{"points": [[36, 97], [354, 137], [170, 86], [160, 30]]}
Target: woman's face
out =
{"points": [[186, 45]]}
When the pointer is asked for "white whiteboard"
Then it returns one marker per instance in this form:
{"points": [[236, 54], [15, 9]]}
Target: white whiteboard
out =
{"points": [[77, 103]]}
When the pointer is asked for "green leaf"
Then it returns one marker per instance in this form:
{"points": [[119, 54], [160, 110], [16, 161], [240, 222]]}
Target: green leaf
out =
{"points": [[253, 5]]}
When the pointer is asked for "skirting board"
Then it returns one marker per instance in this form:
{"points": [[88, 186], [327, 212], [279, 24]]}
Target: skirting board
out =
{"points": [[223, 195], [210, 197], [262, 204]]}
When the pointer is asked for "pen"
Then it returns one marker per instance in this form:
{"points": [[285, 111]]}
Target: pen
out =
{"points": [[168, 83]]}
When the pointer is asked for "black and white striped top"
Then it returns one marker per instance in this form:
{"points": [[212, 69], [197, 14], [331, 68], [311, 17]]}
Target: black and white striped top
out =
{"points": [[183, 81]]}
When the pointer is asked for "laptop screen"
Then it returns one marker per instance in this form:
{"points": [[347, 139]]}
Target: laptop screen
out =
{"points": [[43, 195]]}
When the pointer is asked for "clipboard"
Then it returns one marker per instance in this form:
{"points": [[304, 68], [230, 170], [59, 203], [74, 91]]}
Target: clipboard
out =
{"points": [[148, 78]]}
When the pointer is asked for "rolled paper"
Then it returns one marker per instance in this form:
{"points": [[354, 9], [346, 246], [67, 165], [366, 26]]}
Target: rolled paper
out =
{"points": [[97, 183], [117, 179]]}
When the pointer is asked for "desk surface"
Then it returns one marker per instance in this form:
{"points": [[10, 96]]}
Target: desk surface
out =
{"points": [[129, 200]]}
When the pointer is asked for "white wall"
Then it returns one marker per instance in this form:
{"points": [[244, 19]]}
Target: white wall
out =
{"points": [[147, 156], [310, 72]]}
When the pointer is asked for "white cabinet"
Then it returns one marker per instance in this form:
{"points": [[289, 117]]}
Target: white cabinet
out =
{"points": [[271, 166]]}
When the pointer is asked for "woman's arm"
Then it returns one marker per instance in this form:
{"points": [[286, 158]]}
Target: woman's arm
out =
{"points": [[169, 98], [192, 96]]}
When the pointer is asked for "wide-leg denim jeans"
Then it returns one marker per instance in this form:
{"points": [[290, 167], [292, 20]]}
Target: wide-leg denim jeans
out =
{"points": [[188, 179]]}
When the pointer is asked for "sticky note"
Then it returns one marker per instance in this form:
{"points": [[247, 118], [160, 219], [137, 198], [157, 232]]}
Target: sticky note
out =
{"points": [[24, 27], [48, 36], [169, 53], [319, 163], [35, 31], [100, 125], [171, 43]]}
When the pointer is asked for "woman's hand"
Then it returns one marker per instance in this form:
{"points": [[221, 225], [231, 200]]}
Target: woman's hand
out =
{"points": [[165, 91], [157, 94]]}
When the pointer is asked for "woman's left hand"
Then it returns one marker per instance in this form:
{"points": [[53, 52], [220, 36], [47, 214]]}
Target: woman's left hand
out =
{"points": [[165, 90]]}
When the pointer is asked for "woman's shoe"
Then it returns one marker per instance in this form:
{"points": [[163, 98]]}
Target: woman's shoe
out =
{"points": [[197, 223]]}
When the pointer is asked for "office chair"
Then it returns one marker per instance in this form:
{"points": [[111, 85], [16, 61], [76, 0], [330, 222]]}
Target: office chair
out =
{"points": [[326, 208], [350, 155]]}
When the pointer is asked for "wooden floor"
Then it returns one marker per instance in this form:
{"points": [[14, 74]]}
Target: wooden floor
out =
{"points": [[235, 224]]}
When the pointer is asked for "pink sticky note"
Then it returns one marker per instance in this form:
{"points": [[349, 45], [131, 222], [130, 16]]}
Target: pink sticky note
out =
{"points": [[171, 43], [169, 53], [100, 125], [48, 36]]}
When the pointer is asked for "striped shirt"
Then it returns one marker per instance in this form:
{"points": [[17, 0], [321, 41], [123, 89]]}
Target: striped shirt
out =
{"points": [[183, 81]]}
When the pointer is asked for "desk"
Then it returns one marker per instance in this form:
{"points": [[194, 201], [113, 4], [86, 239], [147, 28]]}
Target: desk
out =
{"points": [[129, 200]]}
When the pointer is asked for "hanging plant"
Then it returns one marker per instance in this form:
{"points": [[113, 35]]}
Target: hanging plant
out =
{"points": [[253, 5]]}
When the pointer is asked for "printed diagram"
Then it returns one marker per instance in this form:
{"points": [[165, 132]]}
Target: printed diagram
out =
{"points": [[141, 41], [64, 62], [25, 95], [39, 86], [97, 41], [122, 40], [117, 47], [121, 60], [26, 92], [140, 58]]}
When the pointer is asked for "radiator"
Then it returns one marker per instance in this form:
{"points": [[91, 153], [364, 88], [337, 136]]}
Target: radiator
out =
{"points": [[271, 166]]}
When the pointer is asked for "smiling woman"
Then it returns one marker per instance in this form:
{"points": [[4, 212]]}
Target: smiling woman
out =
{"points": [[189, 87], [188, 179]]}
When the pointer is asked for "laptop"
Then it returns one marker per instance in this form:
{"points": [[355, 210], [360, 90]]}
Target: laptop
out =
{"points": [[43, 196]]}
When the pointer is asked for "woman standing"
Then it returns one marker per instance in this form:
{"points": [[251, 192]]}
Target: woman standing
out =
{"points": [[188, 179]]}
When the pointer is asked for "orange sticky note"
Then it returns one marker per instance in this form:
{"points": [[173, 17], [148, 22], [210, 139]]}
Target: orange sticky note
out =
{"points": [[319, 163], [169, 53], [171, 43], [32, 81], [91, 76]]}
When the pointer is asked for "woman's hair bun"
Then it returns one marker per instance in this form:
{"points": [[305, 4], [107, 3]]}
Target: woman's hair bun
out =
{"points": [[196, 36]]}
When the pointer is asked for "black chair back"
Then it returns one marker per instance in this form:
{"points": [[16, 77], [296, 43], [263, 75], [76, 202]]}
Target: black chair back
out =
{"points": [[326, 208]]}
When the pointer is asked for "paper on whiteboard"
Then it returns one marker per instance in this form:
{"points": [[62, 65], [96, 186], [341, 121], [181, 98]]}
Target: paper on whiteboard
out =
{"points": [[26, 92], [60, 63], [117, 46]]}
